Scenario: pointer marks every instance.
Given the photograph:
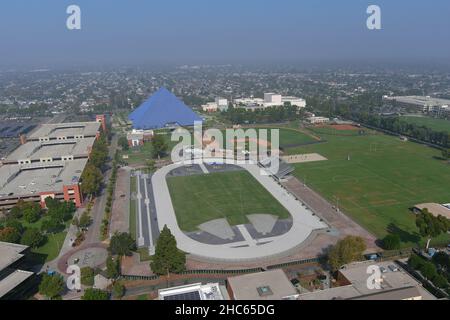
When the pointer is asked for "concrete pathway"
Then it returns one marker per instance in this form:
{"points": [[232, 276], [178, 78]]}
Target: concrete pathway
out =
{"points": [[248, 238]]}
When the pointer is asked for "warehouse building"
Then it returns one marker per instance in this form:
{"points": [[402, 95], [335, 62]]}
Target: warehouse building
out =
{"points": [[48, 163]]}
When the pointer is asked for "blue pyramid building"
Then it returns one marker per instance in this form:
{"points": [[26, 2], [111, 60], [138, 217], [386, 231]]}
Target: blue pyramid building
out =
{"points": [[162, 110]]}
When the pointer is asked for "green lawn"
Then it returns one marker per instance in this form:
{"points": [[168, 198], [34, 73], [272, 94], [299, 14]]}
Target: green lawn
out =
{"points": [[52, 246], [139, 155], [54, 242], [231, 195], [383, 178], [432, 123]]}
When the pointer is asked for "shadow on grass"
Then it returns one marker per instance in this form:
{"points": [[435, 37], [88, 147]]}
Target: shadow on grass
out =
{"points": [[405, 236]]}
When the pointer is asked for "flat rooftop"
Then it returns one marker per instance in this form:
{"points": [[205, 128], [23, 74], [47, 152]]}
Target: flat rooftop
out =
{"points": [[10, 253], [421, 100], [13, 280], [197, 291], [55, 130], [36, 150], [268, 285], [395, 285], [30, 179]]}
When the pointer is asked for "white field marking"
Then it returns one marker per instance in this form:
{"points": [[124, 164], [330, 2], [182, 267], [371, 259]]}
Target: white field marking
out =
{"points": [[141, 240], [147, 205], [248, 238]]}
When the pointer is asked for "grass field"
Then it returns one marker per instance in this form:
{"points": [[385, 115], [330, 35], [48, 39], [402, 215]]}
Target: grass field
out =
{"points": [[382, 180], [231, 195], [432, 123], [289, 136]]}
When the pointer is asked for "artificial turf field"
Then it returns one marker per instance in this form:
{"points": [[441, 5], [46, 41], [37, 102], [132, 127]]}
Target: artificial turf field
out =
{"points": [[231, 195], [382, 180]]}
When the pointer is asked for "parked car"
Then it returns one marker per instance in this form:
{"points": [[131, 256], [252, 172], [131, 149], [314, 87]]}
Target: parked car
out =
{"points": [[393, 268], [383, 269]]}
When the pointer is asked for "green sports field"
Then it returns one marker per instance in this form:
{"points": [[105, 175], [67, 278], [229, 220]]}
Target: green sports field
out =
{"points": [[382, 180], [231, 195], [288, 136], [432, 123]]}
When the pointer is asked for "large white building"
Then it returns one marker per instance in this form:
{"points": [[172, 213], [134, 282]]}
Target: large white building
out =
{"points": [[220, 104], [270, 100]]}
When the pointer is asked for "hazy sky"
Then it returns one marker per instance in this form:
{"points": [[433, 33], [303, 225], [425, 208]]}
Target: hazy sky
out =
{"points": [[34, 33]]}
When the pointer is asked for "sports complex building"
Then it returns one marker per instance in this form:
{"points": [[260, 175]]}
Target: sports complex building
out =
{"points": [[163, 110], [48, 163]]}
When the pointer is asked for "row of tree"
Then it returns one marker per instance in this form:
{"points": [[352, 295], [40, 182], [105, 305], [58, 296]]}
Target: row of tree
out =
{"points": [[266, 115], [402, 127], [92, 177]]}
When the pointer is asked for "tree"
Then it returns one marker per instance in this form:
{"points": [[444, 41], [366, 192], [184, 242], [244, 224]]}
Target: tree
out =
{"points": [[168, 258], [9, 234], [51, 225], [123, 143], [13, 223], [415, 262], [440, 281], [428, 270], [446, 153], [87, 276], [32, 237], [122, 244], [159, 146], [345, 251], [150, 165], [85, 220], [112, 267], [118, 290], [431, 226], [51, 286], [95, 294], [31, 212], [391, 242], [91, 180]]}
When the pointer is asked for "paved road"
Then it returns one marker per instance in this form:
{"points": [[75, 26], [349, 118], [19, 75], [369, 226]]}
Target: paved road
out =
{"points": [[98, 210], [148, 230], [304, 222]]}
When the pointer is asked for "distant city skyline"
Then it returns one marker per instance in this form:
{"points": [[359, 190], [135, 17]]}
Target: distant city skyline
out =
{"points": [[34, 34]]}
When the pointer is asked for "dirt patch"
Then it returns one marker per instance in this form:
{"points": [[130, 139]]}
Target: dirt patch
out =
{"points": [[341, 127]]}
